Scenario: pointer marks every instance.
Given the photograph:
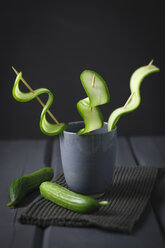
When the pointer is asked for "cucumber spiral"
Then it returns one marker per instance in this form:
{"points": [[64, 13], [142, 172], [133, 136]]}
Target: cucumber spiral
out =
{"points": [[46, 127], [98, 94], [135, 100], [92, 116]]}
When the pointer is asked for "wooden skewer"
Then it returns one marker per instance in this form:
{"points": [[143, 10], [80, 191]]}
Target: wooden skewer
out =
{"points": [[93, 80], [129, 99], [39, 100], [151, 62]]}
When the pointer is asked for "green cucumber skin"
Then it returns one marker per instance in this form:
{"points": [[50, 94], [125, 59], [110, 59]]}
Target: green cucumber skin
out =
{"points": [[68, 199], [21, 186]]}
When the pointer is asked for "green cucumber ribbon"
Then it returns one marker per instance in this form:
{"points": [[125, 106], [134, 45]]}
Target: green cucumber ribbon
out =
{"points": [[98, 94], [46, 127], [135, 99]]}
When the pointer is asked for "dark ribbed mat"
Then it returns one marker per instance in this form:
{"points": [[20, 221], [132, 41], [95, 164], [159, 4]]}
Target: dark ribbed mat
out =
{"points": [[129, 194]]}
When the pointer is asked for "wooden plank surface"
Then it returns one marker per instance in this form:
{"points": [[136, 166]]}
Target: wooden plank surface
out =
{"points": [[151, 151], [147, 152], [18, 158], [11, 166], [146, 234]]}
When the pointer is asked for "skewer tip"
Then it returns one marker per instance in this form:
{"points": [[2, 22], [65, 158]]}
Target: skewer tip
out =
{"points": [[14, 70], [151, 62]]}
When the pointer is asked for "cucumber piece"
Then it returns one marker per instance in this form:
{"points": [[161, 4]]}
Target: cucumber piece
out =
{"points": [[68, 199], [21, 186], [99, 93], [92, 116], [135, 83], [46, 127]]}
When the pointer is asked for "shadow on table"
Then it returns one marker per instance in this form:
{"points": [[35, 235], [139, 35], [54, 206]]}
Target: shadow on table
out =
{"points": [[28, 199]]}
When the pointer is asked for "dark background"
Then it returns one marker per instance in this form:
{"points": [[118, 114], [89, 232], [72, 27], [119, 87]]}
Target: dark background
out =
{"points": [[52, 43]]}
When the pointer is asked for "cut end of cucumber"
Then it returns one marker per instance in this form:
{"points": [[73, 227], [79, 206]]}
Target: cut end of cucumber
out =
{"points": [[103, 203], [10, 204]]}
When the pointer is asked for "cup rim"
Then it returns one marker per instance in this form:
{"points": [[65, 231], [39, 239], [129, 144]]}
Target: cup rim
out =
{"points": [[89, 134]]}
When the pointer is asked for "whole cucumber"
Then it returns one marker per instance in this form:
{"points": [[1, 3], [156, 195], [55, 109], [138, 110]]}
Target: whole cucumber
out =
{"points": [[68, 199], [21, 186]]}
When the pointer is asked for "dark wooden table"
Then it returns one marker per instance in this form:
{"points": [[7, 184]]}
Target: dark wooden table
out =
{"points": [[19, 157]]}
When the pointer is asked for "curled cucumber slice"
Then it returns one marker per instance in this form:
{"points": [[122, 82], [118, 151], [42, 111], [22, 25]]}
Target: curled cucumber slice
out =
{"points": [[98, 94], [95, 88], [46, 127], [135, 99], [92, 116]]}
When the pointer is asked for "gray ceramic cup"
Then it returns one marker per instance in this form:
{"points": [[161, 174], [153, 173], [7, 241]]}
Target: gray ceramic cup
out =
{"points": [[88, 160]]}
